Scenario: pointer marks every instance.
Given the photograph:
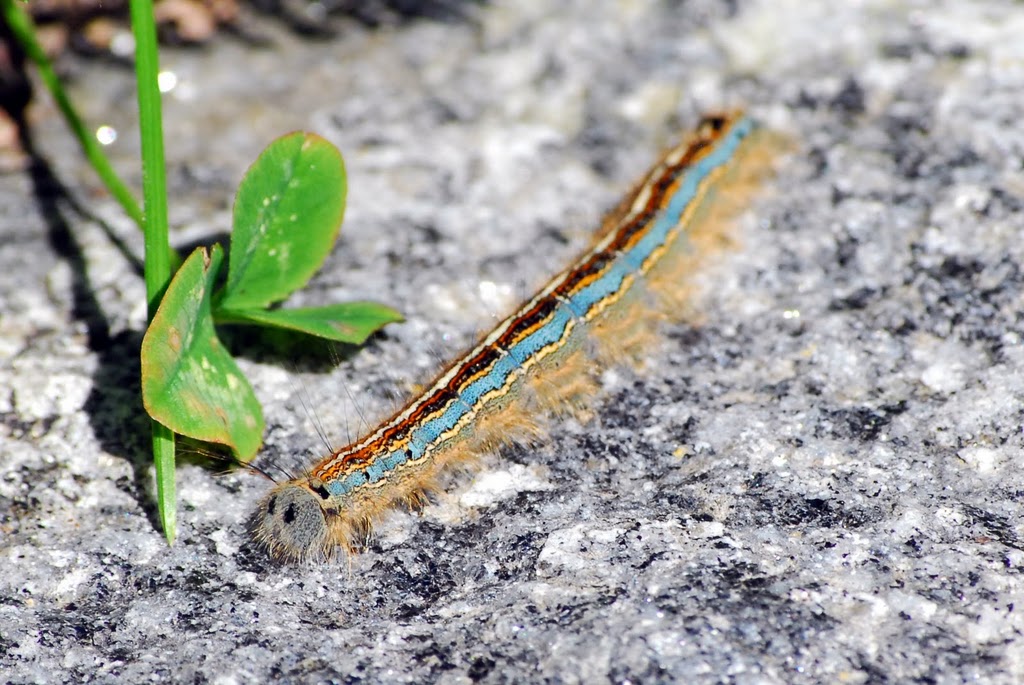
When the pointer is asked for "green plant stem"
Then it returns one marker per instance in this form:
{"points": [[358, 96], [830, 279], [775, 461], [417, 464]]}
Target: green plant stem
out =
{"points": [[155, 229], [22, 27]]}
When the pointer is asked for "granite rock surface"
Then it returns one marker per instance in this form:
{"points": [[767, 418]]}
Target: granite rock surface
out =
{"points": [[818, 481]]}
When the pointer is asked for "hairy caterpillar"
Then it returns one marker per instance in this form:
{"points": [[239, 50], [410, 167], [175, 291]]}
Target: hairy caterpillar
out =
{"points": [[600, 309]]}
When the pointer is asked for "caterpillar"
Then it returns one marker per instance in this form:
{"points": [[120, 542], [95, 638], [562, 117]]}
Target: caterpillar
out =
{"points": [[541, 359]]}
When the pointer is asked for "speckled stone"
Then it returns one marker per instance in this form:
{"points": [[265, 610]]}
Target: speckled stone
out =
{"points": [[817, 483]]}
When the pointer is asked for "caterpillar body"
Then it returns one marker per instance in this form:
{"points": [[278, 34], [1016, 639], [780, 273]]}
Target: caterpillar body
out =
{"points": [[541, 359]]}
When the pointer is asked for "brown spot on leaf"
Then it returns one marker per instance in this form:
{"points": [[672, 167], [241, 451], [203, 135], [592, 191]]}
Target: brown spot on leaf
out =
{"points": [[174, 339]]}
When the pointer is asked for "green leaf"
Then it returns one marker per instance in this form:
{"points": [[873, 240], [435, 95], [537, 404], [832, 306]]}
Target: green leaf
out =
{"points": [[189, 382], [287, 215], [351, 322]]}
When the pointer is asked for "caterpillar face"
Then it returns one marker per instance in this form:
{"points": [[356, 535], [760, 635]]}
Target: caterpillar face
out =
{"points": [[291, 522]]}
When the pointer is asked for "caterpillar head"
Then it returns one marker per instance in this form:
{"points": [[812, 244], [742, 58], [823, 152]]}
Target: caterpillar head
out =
{"points": [[292, 522]]}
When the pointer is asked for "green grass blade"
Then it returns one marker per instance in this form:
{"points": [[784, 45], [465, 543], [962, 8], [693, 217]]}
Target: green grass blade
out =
{"points": [[154, 182], [166, 489], [155, 228], [24, 30]]}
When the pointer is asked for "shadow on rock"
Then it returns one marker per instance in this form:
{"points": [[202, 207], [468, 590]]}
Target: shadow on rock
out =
{"points": [[278, 346], [114, 406]]}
